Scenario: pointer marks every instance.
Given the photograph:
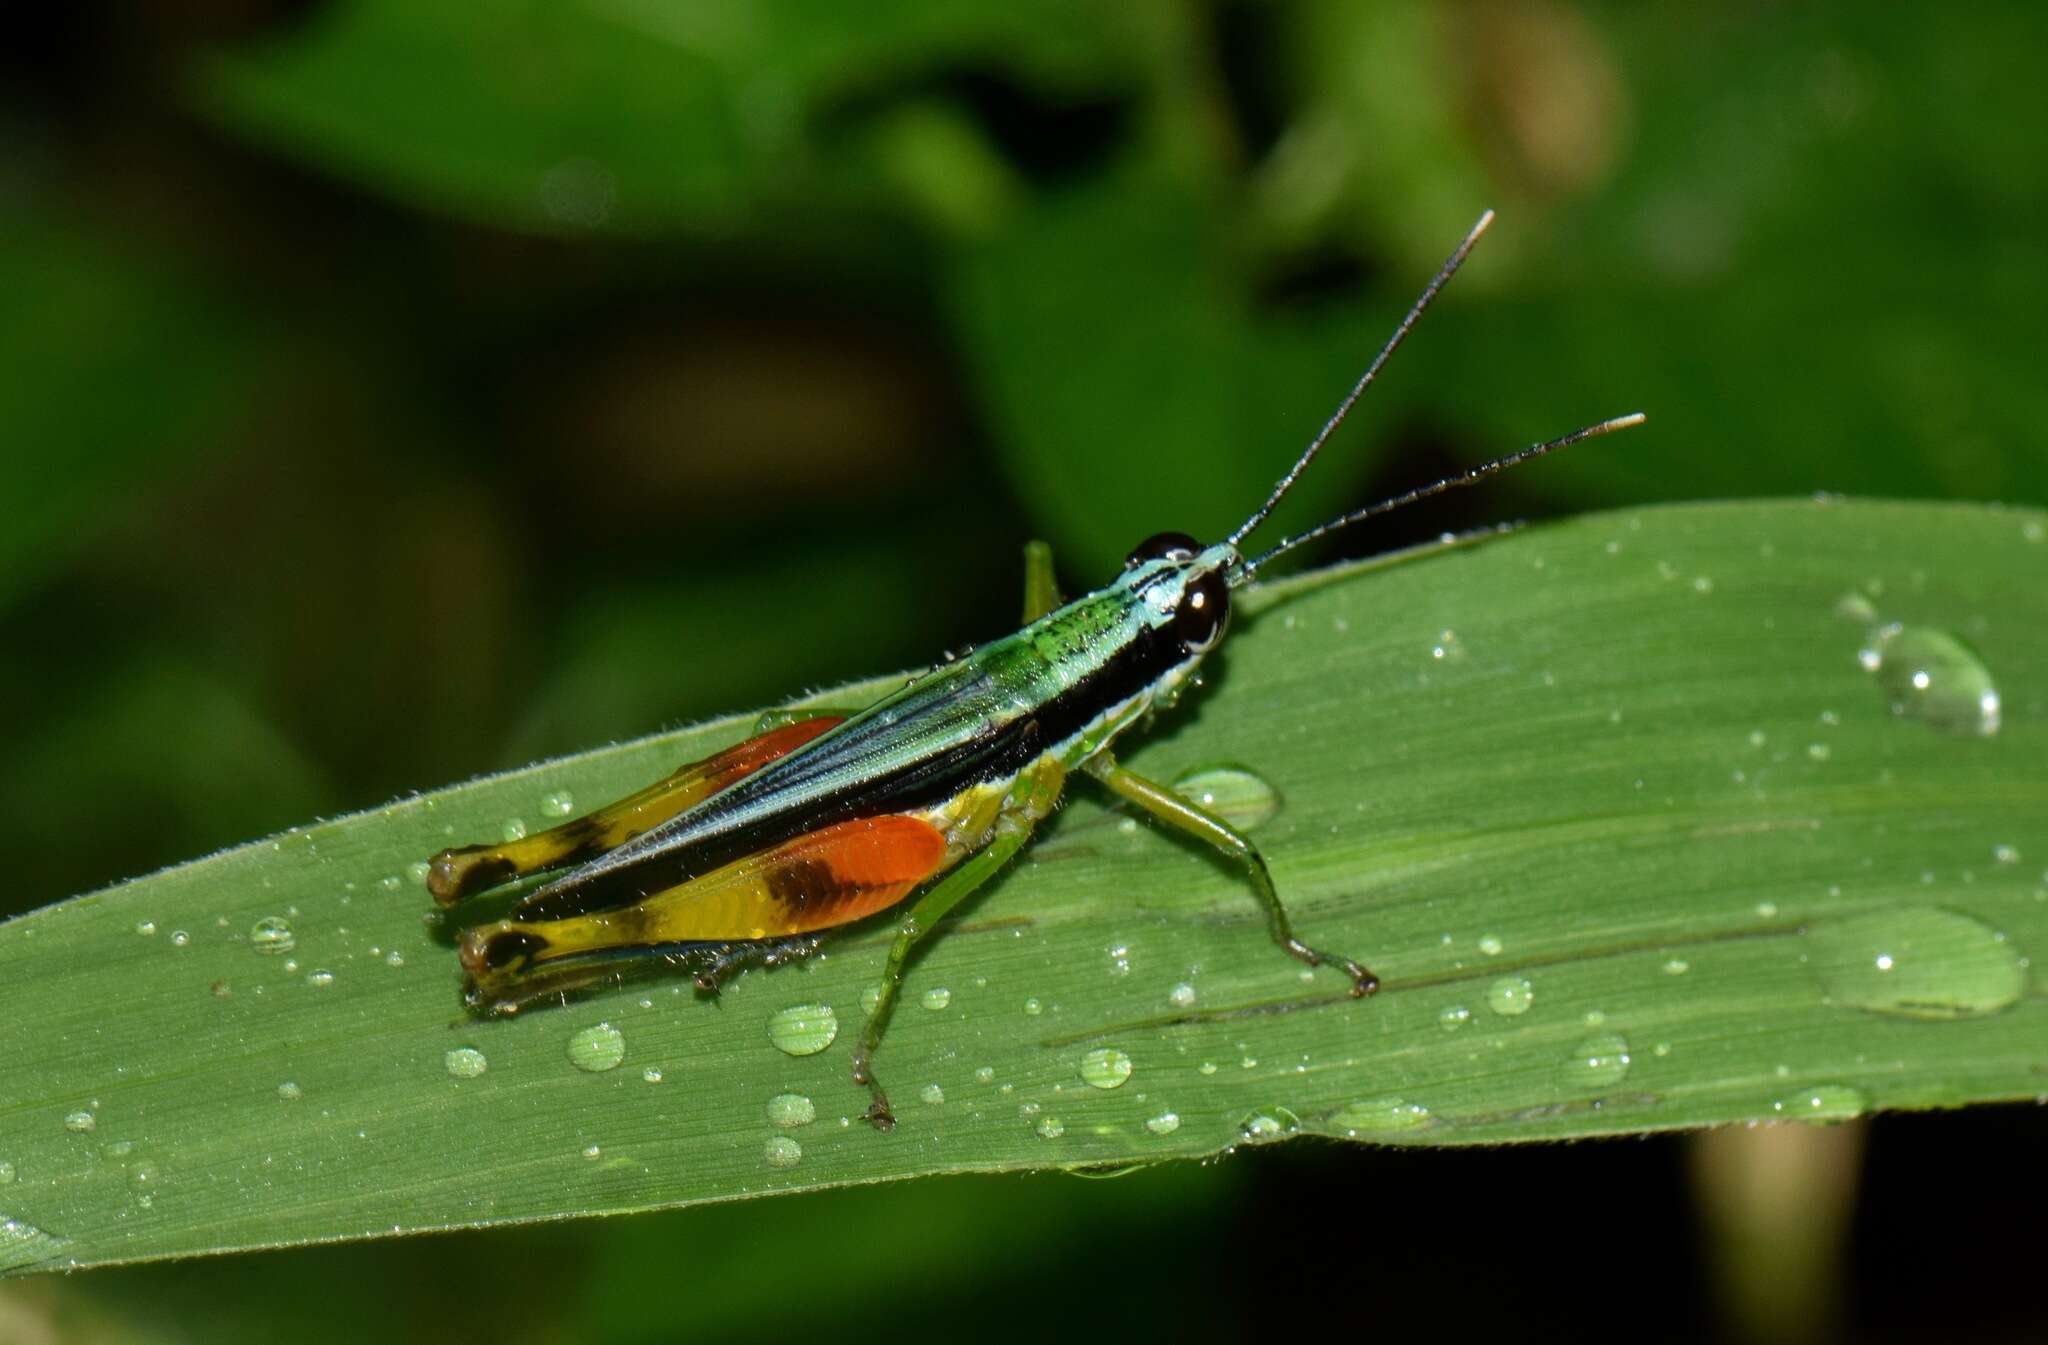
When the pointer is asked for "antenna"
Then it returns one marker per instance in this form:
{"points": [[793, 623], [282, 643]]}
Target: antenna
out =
{"points": [[1315, 445], [1466, 478]]}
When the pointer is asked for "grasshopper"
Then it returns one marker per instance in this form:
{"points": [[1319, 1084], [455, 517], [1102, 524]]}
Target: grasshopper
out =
{"points": [[825, 817]]}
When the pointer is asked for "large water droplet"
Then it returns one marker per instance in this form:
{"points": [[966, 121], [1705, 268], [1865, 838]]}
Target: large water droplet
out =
{"points": [[1379, 1116], [1454, 1017], [81, 1123], [290, 1092], [931, 1095], [782, 1152], [465, 1062], [1916, 962], [1050, 1128], [938, 997], [558, 804], [1269, 1124], [1596, 1061], [1163, 1124], [597, 1048], [1182, 996], [1825, 1103], [23, 1244], [272, 934], [1510, 995], [790, 1110], [1105, 1068], [1932, 676], [1491, 945], [1240, 797], [803, 1029]]}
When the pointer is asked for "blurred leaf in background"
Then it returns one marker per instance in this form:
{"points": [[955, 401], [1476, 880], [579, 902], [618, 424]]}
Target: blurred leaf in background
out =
{"points": [[398, 391]]}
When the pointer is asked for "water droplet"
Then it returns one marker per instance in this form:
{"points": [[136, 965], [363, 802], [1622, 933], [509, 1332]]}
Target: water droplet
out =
{"points": [[938, 997], [418, 872], [1182, 996], [1270, 1124], [1163, 1124], [1380, 1115], [1510, 995], [1596, 1061], [1206, 1067], [782, 1152], [1447, 649], [985, 1074], [790, 1110], [1033, 1007], [323, 979], [6, 1172], [1240, 797], [593, 1151], [1490, 945], [1828, 1102], [1916, 962], [1853, 606], [803, 1029], [2006, 854], [1676, 966], [1454, 1017], [1105, 1068], [272, 934], [514, 829], [597, 1048], [1819, 751], [1119, 959], [179, 938], [465, 1062], [23, 1244], [1932, 676], [932, 1095], [1050, 1128], [146, 928], [81, 1123], [1767, 910], [650, 1075], [558, 804], [290, 1092]]}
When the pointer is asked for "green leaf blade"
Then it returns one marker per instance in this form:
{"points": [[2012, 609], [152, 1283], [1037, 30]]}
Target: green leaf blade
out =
{"points": [[1612, 806]]}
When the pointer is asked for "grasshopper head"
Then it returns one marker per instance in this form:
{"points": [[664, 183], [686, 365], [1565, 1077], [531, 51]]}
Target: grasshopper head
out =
{"points": [[1186, 585]]}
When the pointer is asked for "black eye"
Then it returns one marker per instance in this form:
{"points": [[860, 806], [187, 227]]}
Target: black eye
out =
{"points": [[1163, 546], [1203, 612]]}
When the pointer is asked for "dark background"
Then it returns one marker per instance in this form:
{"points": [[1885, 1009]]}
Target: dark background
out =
{"points": [[396, 390]]}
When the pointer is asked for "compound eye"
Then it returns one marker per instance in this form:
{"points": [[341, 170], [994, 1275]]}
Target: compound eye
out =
{"points": [[1162, 546], [1204, 611]]}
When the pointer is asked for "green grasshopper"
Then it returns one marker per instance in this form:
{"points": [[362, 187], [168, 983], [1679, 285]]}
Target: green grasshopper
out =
{"points": [[828, 816]]}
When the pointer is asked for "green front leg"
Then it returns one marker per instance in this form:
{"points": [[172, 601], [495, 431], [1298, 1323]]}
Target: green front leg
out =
{"points": [[931, 908], [1176, 812], [1041, 589]]}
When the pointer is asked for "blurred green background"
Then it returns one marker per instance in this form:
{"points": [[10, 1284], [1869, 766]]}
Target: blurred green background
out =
{"points": [[396, 390]]}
